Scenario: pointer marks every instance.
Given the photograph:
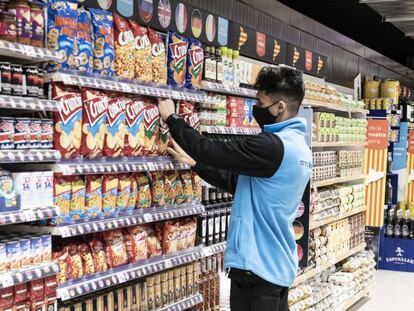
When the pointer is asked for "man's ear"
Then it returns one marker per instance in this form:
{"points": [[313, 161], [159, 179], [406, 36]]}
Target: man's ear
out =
{"points": [[282, 106]]}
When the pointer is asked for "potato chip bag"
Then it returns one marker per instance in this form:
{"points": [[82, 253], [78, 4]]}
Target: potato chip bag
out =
{"points": [[132, 200], [62, 195], [170, 188], [67, 130], [115, 250], [159, 61], [76, 265], [187, 185], [77, 202], [124, 48], [135, 131], [176, 59], [164, 139], [195, 61], [153, 242], [196, 183], [179, 190], [144, 195], [87, 259], [170, 236], [136, 242], [151, 130], [98, 254], [186, 111], [157, 189], [143, 54], [83, 47], [115, 126], [109, 195], [191, 228], [124, 191], [93, 196], [95, 106]]}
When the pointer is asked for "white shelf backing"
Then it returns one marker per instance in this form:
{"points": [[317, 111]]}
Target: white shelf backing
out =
{"points": [[27, 52], [27, 103], [229, 90], [152, 215], [21, 216], [183, 304], [28, 274], [230, 130], [29, 156], [126, 273]]}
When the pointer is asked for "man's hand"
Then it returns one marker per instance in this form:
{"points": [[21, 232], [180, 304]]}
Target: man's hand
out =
{"points": [[180, 155], [166, 108]]}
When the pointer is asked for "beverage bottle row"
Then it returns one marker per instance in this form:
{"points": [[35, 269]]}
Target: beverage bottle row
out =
{"points": [[399, 221]]}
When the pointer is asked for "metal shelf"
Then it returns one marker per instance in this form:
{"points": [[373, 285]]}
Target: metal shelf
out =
{"points": [[27, 52], [28, 274], [332, 107], [230, 130], [355, 299], [153, 215], [183, 304], [338, 180], [228, 90], [27, 103], [214, 249], [22, 216], [337, 144], [29, 156], [320, 223]]}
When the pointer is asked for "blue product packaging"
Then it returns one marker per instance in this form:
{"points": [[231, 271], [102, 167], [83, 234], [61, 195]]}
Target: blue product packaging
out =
{"points": [[194, 67]]}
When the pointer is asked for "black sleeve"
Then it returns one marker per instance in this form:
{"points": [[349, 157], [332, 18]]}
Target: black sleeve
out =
{"points": [[222, 179], [258, 156]]}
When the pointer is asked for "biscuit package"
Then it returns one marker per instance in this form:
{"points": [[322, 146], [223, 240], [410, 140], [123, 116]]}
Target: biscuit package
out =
{"points": [[151, 130], [176, 60], [103, 53], [135, 131], [95, 106], [159, 61], [93, 196], [109, 195], [195, 60], [67, 130], [115, 126], [144, 196], [77, 203], [143, 54], [61, 31], [124, 48], [83, 47], [116, 254]]}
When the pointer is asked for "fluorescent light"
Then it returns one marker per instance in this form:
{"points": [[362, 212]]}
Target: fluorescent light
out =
{"points": [[379, 1], [402, 18]]}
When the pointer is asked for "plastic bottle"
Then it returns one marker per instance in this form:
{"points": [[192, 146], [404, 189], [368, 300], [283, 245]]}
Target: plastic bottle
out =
{"points": [[236, 68]]}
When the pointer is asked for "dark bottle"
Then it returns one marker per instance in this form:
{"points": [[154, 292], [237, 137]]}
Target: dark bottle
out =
{"points": [[212, 195], [388, 192], [389, 229], [219, 195], [210, 225], [203, 228], [217, 223], [205, 193], [397, 228], [225, 196], [389, 162], [223, 225]]}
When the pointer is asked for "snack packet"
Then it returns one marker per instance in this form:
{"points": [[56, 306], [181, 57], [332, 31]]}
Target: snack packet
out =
{"points": [[165, 138], [77, 203], [115, 126], [109, 195], [187, 185], [116, 254], [87, 259], [143, 54], [132, 200], [124, 192], [124, 48], [83, 47], [195, 60], [176, 59], [144, 196], [153, 243], [136, 242], [98, 254], [93, 196], [151, 130], [157, 189], [62, 195], [186, 111], [159, 62], [135, 130]]}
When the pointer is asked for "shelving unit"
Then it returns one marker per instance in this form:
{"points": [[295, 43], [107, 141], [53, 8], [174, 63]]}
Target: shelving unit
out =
{"points": [[332, 107], [227, 90], [338, 180], [339, 144], [27, 103], [230, 130], [27, 215], [359, 296], [29, 156], [184, 304], [27, 53], [320, 223]]}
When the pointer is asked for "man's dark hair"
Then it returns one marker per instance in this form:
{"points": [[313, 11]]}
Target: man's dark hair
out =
{"points": [[282, 83]]}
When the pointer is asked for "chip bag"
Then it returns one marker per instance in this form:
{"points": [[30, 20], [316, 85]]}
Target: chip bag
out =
{"points": [[115, 126], [103, 53], [170, 189], [93, 196], [87, 259], [144, 195], [151, 130], [124, 192], [132, 200], [124, 48], [135, 130], [109, 195], [76, 263], [67, 130], [187, 185], [159, 62], [186, 111], [83, 48], [176, 59], [115, 250], [98, 254], [143, 54], [164, 139], [77, 203], [62, 195], [170, 236], [179, 190], [153, 242], [194, 68], [157, 189], [136, 242]]}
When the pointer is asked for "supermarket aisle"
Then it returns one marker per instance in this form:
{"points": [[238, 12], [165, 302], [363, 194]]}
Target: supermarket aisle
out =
{"points": [[392, 291]]}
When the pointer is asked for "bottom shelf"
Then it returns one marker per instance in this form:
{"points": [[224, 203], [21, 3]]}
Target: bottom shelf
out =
{"points": [[183, 304], [355, 299]]}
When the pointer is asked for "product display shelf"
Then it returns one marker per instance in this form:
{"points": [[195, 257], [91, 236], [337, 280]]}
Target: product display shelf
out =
{"points": [[338, 180], [356, 298], [332, 107], [23, 275], [311, 273], [29, 156], [27, 52], [183, 304], [21, 216], [117, 165], [230, 130], [214, 249], [228, 90], [27, 103], [126, 86], [337, 144], [98, 281], [320, 223], [139, 217]]}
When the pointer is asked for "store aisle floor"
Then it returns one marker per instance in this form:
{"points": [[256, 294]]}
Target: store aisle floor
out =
{"points": [[391, 291]]}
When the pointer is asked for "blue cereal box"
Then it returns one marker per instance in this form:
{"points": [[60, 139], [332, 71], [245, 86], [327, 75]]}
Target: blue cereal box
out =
{"points": [[47, 248]]}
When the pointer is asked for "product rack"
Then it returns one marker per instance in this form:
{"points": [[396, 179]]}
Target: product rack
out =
{"points": [[339, 144], [29, 156], [183, 304], [364, 293], [229, 130], [332, 107], [227, 90], [339, 180], [27, 215], [27, 103], [27, 53], [320, 223]]}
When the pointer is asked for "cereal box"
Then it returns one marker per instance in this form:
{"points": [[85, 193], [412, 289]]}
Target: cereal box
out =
{"points": [[159, 62], [83, 48], [115, 126], [109, 195], [194, 67], [93, 197], [67, 131], [143, 54], [124, 48], [176, 60], [95, 106], [77, 202], [151, 130], [6, 133], [135, 131]]}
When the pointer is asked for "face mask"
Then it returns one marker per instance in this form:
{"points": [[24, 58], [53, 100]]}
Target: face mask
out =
{"points": [[263, 116]]}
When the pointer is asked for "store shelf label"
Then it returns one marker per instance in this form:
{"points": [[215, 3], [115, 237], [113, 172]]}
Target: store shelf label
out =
{"points": [[6, 280]]}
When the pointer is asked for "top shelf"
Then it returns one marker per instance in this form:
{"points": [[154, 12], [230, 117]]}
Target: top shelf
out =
{"points": [[31, 54], [332, 107], [228, 90]]}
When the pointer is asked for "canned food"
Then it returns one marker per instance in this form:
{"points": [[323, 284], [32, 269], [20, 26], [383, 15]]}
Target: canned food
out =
{"points": [[6, 133], [18, 80], [22, 133], [13, 254], [40, 82], [31, 75], [35, 133], [6, 78], [46, 138], [379, 104]]}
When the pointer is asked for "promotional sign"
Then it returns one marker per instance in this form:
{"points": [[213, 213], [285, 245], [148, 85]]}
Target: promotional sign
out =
{"points": [[376, 167], [399, 164], [410, 168]]}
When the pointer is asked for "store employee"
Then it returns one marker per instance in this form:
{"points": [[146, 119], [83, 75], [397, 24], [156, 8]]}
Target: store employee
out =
{"points": [[267, 174]]}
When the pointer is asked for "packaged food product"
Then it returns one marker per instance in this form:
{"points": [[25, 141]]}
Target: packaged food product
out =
{"points": [[179, 189], [6, 298], [20, 293], [176, 59], [103, 53], [46, 136], [62, 195], [31, 73], [109, 195], [115, 249], [75, 262], [194, 67], [61, 31], [13, 254], [136, 242], [21, 10], [165, 138], [159, 65], [186, 181], [186, 111], [124, 191], [151, 130], [170, 189], [143, 54], [132, 200], [115, 126], [47, 248], [6, 133], [22, 133], [35, 131], [87, 259], [67, 131], [3, 256], [153, 242], [36, 289], [95, 106], [196, 184], [135, 131], [124, 48], [98, 254], [77, 203], [83, 46], [157, 189], [191, 232], [6, 78], [93, 197], [8, 26], [170, 236], [38, 25], [63, 258], [144, 196]]}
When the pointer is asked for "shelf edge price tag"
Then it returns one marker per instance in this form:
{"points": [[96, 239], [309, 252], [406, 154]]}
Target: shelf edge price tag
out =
{"points": [[121, 277], [63, 294], [6, 280]]}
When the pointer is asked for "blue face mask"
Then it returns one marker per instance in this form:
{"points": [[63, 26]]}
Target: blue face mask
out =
{"points": [[263, 116]]}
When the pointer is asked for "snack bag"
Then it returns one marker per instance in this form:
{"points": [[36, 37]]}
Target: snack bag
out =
{"points": [[170, 236], [187, 186], [93, 196], [143, 54], [153, 243], [144, 196], [179, 190], [115, 126], [109, 195], [87, 259], [76, 265], [115, 250], [186, 111], [165, 138], [77, 203], [103, 53], [124, 192], [67, 131], [124, 48], [83, 47], [98, 254], [136, 242], [135, 131], [157, 189], [195, 60], [191, 228], [95, 106], [62, 195], [170, 189], [63, 258], [176, 59], [151, 130], [196, 183], [159, 64], [61, 31], [132, 200]]}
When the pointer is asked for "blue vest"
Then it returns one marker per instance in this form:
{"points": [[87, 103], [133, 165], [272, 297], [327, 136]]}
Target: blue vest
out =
{"points": [[260, 237]]}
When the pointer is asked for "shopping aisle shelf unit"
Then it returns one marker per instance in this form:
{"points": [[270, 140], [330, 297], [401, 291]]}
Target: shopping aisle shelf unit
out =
{"points": [[323, 222], [27, 53], [230, 130], [184, 304], [339, 180], [27, 215], [27, 103], [29, 156]]}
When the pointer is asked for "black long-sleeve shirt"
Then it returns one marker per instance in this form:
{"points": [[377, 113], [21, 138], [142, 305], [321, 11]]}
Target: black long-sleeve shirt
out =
{"points": [[220, 163]]}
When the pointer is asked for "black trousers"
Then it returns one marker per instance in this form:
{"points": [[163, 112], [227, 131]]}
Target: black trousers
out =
{"points": [[251, 293]]}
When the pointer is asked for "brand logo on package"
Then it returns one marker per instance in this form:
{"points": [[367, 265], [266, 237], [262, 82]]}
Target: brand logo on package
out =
{"points": [[399, 258], [399, 251], [178, 52]]}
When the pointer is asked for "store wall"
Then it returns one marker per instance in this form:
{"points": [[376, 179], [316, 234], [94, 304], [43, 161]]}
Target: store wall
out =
{"points": [[346, 58]]}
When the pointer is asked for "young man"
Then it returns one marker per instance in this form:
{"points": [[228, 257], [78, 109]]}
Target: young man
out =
{"points": [[267, 174]]}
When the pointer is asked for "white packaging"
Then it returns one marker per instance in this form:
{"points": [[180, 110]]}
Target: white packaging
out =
{"points": [[47, 189], [24, 186], [38, 195]]}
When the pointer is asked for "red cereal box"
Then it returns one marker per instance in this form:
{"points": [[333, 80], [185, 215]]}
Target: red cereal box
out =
{"points": [[115, 126], [36, 289], [135, 130], [20, 293], [50, 285], [151, 130], [6, 298]]}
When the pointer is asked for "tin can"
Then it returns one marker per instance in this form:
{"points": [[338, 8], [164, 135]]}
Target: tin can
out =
{"points": [[13, 254], [6, 78], [6, 133], [18, 80], [386, 103], [40, 83], [31, 76], [47, 248], [25, 251], [22, 133], [3, 256], [46, 137], [36, 249], [35, 133], [379, 103]]}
